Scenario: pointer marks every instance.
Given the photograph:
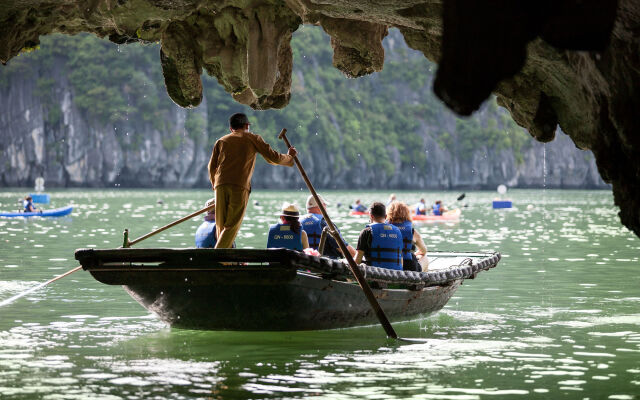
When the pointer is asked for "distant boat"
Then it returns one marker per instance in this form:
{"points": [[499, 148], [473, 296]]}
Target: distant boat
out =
{"points": [[497, 204], [41, 198], [54, 212], [447, 216], [275, 289], [356, 213]]}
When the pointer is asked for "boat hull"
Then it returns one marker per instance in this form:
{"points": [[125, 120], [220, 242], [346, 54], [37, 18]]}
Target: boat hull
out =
{"points": [[275, 289], [306, 302]]}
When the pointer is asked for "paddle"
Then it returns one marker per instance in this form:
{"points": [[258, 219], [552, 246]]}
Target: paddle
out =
{"points": [[343, 247], [462, 196], [126, 243]]}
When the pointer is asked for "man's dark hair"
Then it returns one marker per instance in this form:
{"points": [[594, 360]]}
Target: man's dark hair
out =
{"points": [[238, 121], [378, 210]]}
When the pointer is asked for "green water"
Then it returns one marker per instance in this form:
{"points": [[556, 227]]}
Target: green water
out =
{"points": [[558, 318]]}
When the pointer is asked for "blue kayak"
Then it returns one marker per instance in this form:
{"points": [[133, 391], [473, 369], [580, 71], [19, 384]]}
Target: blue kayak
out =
{"points": [[55, 212]]}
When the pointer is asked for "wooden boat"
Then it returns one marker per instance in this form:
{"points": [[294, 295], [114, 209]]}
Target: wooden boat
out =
{"points": [[447, 216], [274, 289], [55, 212]]}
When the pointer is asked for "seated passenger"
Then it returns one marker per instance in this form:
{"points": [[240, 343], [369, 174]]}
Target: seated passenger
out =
{"points": [[438, 208], [421, 208], [314, 223], [359, 207], [380, 243], [288, 233], [206, 234], [399, 215]]}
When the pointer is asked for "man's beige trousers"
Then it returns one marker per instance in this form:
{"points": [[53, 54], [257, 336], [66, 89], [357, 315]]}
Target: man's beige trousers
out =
{"points": [[231, 203]]}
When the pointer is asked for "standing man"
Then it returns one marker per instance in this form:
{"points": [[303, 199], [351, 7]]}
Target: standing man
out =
{"points": [[230, 169]]}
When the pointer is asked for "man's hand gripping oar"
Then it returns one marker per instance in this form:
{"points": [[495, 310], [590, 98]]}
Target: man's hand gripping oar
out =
{"points": [[343, 247]]}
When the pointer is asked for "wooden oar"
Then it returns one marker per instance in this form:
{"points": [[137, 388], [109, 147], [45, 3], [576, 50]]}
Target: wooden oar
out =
{"points": [[126, 243], [33, 289], [343, 247]]}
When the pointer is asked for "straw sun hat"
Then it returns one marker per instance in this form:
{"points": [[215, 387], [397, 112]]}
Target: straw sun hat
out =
{"points": [[289, 210]]}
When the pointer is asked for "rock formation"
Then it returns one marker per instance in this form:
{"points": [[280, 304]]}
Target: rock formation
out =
{"points": [[572, 63]]}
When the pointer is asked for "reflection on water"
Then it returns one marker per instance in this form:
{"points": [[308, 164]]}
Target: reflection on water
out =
{"points": [[558, 318]]}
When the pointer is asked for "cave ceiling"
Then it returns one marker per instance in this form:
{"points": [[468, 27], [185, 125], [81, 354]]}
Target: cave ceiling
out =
{"points": [[572, 63]]}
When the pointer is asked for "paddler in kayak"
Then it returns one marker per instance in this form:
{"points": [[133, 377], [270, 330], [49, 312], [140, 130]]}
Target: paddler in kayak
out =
{"points": [[28, 205], [437, 208], [399, 215], [313, 224], [288, 233], [359, 207], [230, 169], [380, 244], [421, 208]]}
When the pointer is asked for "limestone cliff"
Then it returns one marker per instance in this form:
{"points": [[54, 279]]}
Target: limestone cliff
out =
{"points": [[568, 63], [48, 129]]}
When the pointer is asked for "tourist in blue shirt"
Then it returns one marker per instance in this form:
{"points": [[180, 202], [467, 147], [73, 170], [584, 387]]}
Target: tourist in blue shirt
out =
{"points": [[380, 244], [206, 234], [313, 224]]}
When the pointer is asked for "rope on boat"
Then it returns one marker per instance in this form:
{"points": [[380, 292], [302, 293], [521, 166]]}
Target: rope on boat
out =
{"points": [[466, 269]]}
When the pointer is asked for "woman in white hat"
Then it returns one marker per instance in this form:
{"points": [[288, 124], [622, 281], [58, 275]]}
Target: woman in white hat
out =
{"points": [[288, 233]]}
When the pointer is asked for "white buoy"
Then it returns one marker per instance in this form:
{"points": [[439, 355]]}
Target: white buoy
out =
{"points": [[39, 184], [502, 189]]}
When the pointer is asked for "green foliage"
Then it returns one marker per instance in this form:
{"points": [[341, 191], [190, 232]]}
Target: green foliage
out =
{"points": [[171, 143], [195, 124], [54, 115], [376, 120]]}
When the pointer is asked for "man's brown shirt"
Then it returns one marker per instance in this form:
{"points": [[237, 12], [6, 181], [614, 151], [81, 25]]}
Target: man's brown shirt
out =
{"points": [[234, 158]]}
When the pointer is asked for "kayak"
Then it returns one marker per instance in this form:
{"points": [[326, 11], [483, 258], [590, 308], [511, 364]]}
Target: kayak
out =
{"points": [[451, 215], [55, 212], [352, 212]]}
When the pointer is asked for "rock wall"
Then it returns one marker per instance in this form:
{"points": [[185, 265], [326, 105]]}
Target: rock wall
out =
{"points": [[79, 151], [571, 63]]}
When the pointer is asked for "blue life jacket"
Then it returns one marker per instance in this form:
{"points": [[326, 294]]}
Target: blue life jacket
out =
{"points": [[436, 209], [386, 246], [359, 207], [406, 228], [281, 235], [312, 224], [28, 205], [206, 235], [421, 209]]}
